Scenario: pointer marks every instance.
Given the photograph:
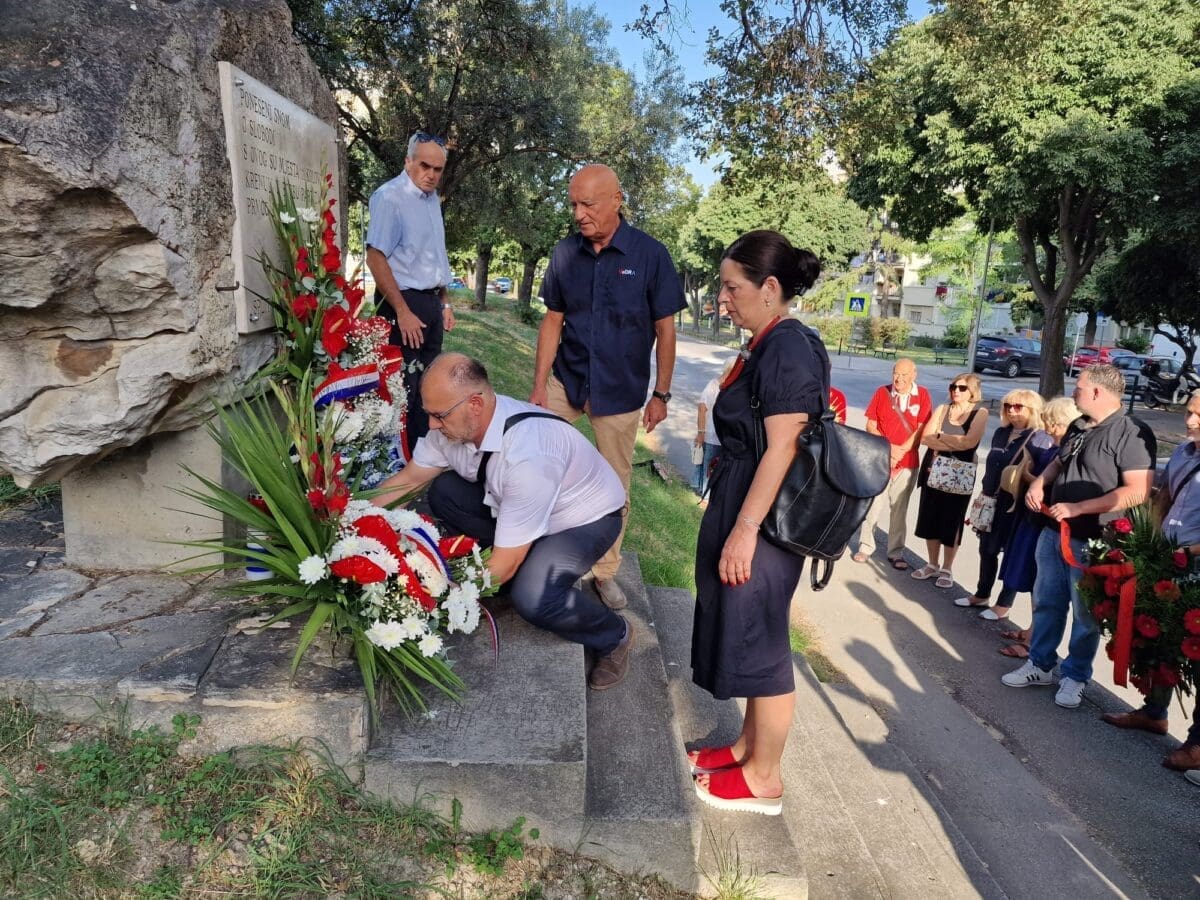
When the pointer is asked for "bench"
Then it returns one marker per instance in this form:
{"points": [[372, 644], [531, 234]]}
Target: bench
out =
{"points": [[887, 350], [859, 347], [950, 354]]}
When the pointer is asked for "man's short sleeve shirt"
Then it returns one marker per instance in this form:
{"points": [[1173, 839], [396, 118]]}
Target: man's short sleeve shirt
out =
{"points": [[610, 302], [1094, 461], [406, 227], [543, 476], [1182, 523]]}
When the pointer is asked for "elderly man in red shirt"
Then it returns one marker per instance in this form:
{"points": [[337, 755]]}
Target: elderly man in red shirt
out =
{"points": [[897, 411]]}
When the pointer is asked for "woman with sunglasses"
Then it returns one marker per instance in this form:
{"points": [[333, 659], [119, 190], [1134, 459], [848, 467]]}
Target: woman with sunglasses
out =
{"points": [[1019, 568], [1020, 425], [955, 430]]}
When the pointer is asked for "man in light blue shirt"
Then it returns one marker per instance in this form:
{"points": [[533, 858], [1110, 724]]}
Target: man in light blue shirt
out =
{"points": [[406, 253]]}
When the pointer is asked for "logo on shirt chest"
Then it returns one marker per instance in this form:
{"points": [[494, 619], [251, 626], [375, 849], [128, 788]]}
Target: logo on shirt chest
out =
{"points": [[626, 272]]}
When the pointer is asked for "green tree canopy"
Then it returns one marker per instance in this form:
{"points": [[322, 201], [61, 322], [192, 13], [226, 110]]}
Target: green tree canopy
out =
{"points": [[1032, 115]]}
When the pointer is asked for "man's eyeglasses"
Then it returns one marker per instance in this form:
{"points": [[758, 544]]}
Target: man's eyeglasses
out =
{"points": [[424, 137], [959, 387], [441, 417], [1013, 407]]}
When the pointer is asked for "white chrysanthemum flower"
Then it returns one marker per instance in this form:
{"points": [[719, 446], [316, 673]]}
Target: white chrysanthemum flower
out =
{"points": [[477, 556], [286, 218], [355, 545], [308, 214], [413, 627], [487, 578], [312, 569], [356, 509], [386, 635], [385, 560], [430, 644], [404, 519], [347, 424]]}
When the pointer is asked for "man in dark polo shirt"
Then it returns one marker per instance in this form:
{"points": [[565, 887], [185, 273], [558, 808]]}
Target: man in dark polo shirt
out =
{"points": [[611, 294], [1105, 464]]}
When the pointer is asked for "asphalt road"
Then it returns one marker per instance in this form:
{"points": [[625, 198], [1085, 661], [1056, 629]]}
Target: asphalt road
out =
{"points": [[909, 649]]}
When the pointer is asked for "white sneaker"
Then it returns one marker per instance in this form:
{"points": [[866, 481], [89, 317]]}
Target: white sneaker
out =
{"points": [[1028, 675], [1070, 693]]}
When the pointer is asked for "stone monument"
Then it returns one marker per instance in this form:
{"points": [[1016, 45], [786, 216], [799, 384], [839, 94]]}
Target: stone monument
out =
{"points": [[123, 314]]}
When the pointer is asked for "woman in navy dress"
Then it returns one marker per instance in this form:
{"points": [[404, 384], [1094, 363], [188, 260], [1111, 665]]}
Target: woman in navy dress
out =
{"points": [[744, 585]]}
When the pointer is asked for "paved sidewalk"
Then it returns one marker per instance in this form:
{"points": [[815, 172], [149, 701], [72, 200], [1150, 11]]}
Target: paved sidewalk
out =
{"points": [[1028, 785]]}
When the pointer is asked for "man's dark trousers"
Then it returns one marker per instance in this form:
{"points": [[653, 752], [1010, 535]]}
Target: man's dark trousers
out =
{"points": [[543, 588], [426, 306]]}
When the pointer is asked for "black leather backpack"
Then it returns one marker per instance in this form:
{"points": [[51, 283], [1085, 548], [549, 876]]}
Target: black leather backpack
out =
{"points": [[826, 493]]}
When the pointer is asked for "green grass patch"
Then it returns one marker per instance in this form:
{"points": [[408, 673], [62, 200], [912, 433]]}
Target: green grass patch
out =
{"points": [[91, 811], [804, 640], [11, 495]]}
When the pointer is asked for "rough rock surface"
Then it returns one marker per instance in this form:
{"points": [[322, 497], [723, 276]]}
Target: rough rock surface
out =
{"points": [[116, 187]]}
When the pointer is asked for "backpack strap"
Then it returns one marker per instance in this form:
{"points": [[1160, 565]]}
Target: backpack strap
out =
{"points": [[512, 420]]}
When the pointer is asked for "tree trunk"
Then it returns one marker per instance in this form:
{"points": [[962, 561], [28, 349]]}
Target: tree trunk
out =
{"points": [[1089, 330], [483, 259], [1054, 328], [525, 290]]}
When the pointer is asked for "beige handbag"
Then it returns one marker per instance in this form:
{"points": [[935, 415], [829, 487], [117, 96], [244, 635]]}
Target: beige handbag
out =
{"points": [[1011, 480]]}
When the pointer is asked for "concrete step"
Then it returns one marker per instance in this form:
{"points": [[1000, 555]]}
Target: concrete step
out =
{"points": [[869, 828], [515, 746], [764, 847], [639, 811]]}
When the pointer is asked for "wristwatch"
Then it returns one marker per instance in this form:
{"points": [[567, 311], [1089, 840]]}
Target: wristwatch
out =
{"points": [[664, 396], [447, 306]]}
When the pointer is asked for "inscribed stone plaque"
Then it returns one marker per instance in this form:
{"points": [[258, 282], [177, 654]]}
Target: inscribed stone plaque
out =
{"points": [[270, 141]]}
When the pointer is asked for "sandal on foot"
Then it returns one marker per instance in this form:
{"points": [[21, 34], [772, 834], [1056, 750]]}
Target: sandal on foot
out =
{"points": [[859, 557], [1016, 651], [991, 615], [945, 579], [896, 563], [923, 573], [1021, 636], [712, 759], [727, 789]]}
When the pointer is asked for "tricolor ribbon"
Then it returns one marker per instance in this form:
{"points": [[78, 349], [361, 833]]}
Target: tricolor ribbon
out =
{"points": [[347, 384], [1126, 594]]}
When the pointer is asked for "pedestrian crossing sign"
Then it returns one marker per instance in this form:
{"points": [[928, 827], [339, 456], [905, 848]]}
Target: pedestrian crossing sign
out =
{"points": [[858, 304]]}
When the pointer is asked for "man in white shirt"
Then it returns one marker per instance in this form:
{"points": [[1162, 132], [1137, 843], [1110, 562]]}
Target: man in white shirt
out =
{"points": [[527, 484], [406, 253]]}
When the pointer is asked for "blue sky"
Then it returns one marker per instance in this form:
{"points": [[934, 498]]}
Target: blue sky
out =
{"points": [[690, 44]]}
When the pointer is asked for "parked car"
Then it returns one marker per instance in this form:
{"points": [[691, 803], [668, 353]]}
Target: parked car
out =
{"points": [[503, 285], [1011, 356], [1138, 365], [492, 287], [1090, 356], [456, 282]]}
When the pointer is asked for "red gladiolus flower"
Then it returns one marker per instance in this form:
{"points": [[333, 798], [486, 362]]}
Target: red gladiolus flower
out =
{"points": [[339, 497], [1115, 556], [1104, 610], [332, 260], [328, 217], [1180, 558], [304, 306], [1147, 626], [329, 178], [456, 547], [259, 503], [1122, 526], [1191, 648], [334, 327], [1167, 590], [316, 499], [377, 527], [1166, 676], [302, 269], [358, 569], [1191, 620]]}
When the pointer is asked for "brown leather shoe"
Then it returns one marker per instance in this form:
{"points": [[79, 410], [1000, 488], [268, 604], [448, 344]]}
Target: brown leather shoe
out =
{"points": [[611, 669], [610, 593], [1137, 720], [1185, 758]]}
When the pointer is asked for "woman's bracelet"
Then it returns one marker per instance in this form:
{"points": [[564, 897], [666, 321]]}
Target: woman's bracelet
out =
{"points": [[749, 521]]}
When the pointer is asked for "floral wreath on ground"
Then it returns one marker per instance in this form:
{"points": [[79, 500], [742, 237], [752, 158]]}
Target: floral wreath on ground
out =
{"points": [[1145, 597], [384, 580]]}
